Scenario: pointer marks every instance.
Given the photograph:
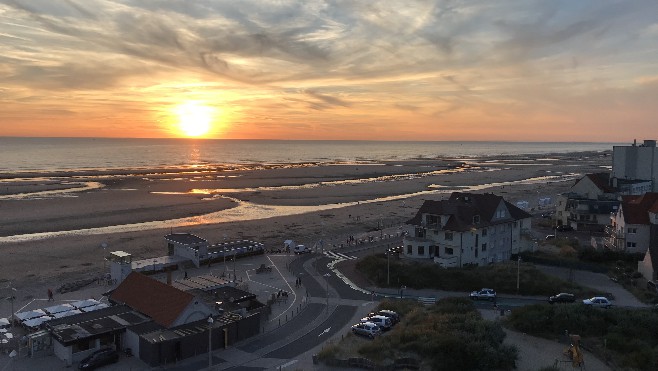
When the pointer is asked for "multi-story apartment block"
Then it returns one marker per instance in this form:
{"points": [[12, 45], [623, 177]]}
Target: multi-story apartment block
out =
{"points": [[588, 204], [636, 163], [466, 229]]}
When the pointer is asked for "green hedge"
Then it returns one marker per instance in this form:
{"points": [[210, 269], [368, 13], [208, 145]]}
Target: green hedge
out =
{"points": [[630, 335]]}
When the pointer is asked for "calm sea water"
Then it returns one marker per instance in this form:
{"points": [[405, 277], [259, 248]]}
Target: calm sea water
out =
{"points": [[55, 154]]}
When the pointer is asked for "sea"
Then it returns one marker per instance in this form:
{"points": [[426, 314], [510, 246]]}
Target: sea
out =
{"points": [[21, 154]]}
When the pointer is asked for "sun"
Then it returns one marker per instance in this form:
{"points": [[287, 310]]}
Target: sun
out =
{"points": [[194, 119]]}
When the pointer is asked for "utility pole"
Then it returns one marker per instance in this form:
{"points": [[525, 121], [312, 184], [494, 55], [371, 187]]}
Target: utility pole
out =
{"points": [[388, 265], [518, 273]]}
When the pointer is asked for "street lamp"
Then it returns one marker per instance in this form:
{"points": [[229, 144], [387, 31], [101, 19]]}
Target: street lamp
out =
{"points": [[12, 297], [210, 321], [388, 265], [518, 273], [326, 276]]}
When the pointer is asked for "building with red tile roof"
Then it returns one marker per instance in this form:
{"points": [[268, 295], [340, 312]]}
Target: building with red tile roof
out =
{"points": [[165, 304]]}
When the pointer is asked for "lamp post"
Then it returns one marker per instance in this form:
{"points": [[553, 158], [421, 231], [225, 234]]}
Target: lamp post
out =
{"points": [[326, 278], [12, 297], [388, 264], [210, 321], [518, 273]]}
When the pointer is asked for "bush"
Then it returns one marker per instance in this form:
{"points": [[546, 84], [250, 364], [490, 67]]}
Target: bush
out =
{"points": [[630, 336], [451, 335], [501, 277]]}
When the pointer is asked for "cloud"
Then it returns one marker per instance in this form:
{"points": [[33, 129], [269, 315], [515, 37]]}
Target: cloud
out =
{"points": [[417, 59]]}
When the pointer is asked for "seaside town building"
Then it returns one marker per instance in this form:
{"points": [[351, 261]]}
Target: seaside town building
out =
{"points": [[635, 167], [159, 323], [183, 249], [634, 229], [466, 229], [588, 204]]}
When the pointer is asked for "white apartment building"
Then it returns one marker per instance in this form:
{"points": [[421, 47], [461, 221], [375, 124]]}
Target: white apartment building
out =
{"points": [[466, 229], [636, 163]]}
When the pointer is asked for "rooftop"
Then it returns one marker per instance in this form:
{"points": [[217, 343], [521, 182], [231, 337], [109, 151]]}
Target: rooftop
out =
{"points": [[68, 330], [185, 238]]}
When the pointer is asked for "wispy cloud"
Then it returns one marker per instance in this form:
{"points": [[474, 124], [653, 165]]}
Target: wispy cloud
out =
{"points": [[285, 66]]}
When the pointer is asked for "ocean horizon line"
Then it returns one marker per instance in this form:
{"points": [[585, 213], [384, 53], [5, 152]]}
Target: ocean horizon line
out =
{"points": [[315, 140]]}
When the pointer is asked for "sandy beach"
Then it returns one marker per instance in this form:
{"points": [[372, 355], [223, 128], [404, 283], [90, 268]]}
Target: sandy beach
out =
{"points": [[132, 211]]}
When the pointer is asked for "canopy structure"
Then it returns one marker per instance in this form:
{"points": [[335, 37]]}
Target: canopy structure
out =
{"points": [[36, 322], [22, 316], [67, 313], [95, 307], [85, 303], [59, 308]]}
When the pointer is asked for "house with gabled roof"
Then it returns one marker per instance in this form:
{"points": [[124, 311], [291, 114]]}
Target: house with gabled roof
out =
{"points": [[466, 229], [588, 204], [165, 304]]}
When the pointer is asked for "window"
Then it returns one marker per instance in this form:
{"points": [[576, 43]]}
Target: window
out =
{"points": [[476, 252], [630, 244], [420, 232], [432, 220], [448, 236], [484, 232], [421, 250], [632, 230], [477, 240], [432, 250], [449, 251], [409, 250], [476, 219], [484, 247]]}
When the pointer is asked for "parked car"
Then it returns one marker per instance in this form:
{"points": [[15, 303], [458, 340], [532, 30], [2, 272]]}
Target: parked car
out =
{"points": [[562, 297], [483, 294], [384, 323], [367, 329], [564, 228], [99, 358], [302, 249], [394, 317], [598, 301]]}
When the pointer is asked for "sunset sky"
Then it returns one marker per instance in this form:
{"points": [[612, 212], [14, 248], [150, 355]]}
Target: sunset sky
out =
{"points": [[583, 70]]}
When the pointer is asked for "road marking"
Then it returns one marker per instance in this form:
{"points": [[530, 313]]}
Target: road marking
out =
{"points": [[325, 331], [288, 363], [337, 255]]}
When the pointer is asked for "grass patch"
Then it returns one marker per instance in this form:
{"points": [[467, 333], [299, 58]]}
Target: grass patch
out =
{"points": [[628, 337], [450, 335], [501, 277]]}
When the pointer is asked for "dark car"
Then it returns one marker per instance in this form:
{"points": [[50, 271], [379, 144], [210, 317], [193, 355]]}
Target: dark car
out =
{"points": [[564, 228], [562, 297], [99, 358]]}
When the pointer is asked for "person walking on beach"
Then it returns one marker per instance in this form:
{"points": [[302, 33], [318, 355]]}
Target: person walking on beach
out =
{"points": [[50, 295]]}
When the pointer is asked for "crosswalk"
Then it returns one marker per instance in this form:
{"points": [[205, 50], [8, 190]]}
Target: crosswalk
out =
{"points": [[427, 301], [337, 255]]}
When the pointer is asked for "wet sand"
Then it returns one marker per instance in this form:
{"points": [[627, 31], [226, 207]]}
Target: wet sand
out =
{"points": [[269, 204]]}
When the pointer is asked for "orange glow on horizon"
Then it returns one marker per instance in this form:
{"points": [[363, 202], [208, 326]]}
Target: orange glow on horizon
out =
{"points": [[194, 119]]}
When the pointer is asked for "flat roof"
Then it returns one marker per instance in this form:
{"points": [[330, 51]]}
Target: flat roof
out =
{"points": [[185, 238], [90, 325]]}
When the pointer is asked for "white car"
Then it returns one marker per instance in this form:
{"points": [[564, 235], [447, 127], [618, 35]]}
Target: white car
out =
{"points": [[383, 322], [368, 329], [598, 301], [483, 294]]}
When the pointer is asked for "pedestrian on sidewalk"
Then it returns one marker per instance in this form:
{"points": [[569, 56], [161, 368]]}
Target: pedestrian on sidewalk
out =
{"points": [[50, 295]]}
